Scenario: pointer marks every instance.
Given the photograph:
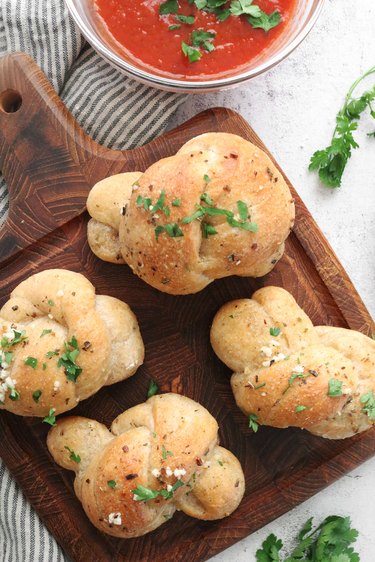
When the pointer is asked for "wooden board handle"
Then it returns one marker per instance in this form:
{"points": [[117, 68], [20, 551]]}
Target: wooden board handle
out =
{"points": [[41, 151]]}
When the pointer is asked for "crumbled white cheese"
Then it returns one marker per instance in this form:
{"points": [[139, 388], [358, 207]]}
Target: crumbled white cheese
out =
{"points": [[275, 343], [298, 369], [238, 262], [178, 472], [267, 351], [60, 293], [274, 359], [168, 471], [155, 472], [263, 393], [347, 390], [4, 365], [115, 518], [169, 488], [50, 316], [56, 386]]}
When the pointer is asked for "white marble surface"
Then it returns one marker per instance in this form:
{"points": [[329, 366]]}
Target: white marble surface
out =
{"points": [[292, 108]]}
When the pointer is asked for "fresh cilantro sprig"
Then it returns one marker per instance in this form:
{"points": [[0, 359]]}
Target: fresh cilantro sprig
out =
{"points": [[330, 541], [330, 162]]}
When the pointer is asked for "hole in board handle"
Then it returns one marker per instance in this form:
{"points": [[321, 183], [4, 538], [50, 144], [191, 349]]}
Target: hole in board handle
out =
{"points": [[10, 101]]}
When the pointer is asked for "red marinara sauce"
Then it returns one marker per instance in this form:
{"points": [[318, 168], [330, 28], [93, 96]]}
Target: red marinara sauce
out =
{"points": [[143, 33]]}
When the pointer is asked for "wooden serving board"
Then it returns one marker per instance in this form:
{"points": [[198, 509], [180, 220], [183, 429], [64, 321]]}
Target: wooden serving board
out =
{"points": [[50, 165]]}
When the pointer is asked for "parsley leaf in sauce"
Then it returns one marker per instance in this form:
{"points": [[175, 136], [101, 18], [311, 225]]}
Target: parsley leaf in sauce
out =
{"points": [[191, 53], [168, 7], [265, 21]]}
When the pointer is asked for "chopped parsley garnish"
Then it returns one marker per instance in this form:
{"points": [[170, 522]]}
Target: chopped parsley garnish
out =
{"points": [[14, 394], [189, 20], [192, 53], [200, 38], [44, 366], [223, 9], [51, 303], [176, 203], [68, 360], [172, 229], [31, 362], [206, 178], [265, 21], [73, 457], [208, 230], [253, 422], [260, 385], [197, 215], [45, 332], [112, 484], [8, 357], [141, 493], [368, 400], [206, 198], [174, 26], [51, 418], [300, 408], [329, 542], [168, 7], [215, 211], [50, 354], [18, 337], [275, 332], [239, 7], [334, 387], [36, 395], [243, 210], [165, 453], [152, 389]]}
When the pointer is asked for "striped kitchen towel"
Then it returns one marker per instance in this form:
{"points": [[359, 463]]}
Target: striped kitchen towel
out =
{"points": [[115, 111]]}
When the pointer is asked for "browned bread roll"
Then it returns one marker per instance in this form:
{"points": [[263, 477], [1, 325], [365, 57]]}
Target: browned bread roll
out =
{"points": [[60, 343], [219, 207], [289, 373], [160, 456]]}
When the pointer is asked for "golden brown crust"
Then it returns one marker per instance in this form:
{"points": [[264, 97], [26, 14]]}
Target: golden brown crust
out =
{"points": [[284, 379], [106, 202], [52, 308], [147, 445], [237, 171]]}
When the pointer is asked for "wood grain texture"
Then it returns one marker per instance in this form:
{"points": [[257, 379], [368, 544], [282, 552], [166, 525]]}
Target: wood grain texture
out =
{"points": [[50, 165]]}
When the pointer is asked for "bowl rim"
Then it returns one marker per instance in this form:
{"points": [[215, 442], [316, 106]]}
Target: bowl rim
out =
{"points": [[191, 86]]}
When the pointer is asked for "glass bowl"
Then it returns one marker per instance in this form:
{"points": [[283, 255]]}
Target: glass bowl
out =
{"points": [[83, 13]]}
